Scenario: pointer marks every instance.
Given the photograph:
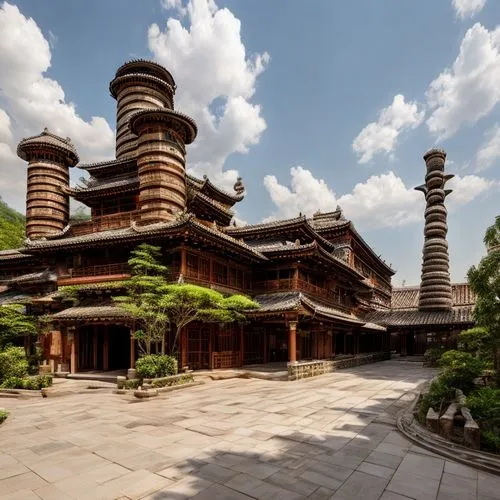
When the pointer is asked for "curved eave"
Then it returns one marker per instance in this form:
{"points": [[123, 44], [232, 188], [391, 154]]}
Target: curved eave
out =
{"points": [[221, 214], [266, 227], [219, 194], [82, 194], [107, 165]]}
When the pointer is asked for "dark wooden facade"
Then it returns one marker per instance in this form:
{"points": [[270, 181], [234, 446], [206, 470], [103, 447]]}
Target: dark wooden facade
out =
{"points": [[314, 278]]}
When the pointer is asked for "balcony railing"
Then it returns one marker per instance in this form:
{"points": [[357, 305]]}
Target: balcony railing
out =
{"points": [[203, 279], [101, 270], [104, 223]]}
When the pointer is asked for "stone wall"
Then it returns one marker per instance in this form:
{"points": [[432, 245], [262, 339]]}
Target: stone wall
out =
{"points": [[305, 369]]}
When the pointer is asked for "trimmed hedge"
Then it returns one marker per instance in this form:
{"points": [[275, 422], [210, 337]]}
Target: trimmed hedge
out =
{"points": [[34, 383], [184, 378], [155, 365]]}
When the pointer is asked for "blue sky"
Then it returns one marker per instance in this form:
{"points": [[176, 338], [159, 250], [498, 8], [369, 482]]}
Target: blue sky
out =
{"points": [[314, 106]]}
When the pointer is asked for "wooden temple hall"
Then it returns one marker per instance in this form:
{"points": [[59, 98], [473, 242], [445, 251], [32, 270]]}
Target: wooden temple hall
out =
{"points": [[323, 292]]}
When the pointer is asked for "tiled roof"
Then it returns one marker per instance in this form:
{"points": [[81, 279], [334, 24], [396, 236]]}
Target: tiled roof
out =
{"points": [[47, 138], [253, 228], [106, 164], [407, 297], [38, 277], [91, 312], [114, 183], [134, 233], [457, 316], [205, 185], [12, 254], [13, 297], [293, 301]]}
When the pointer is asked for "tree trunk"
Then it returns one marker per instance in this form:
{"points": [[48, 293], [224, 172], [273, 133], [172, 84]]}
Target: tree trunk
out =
{"points": [[163, 344]]}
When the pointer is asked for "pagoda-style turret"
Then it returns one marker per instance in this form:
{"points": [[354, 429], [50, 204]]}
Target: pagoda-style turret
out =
{"points": [[435, 286], [138, 85], [162, 136], [47, 202]]}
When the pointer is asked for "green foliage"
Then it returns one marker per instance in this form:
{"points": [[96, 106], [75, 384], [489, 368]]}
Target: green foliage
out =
{"points": [[459, 369], [185, 303], [433, 355], [144, 290], [3, 415], [155, 365], [477, 341], [184, 378], [12, 227], [14, 323], [13, 363], [484, 280], [34, 383], [484, 405], [80, 214], [439, 395], [132, 384]]}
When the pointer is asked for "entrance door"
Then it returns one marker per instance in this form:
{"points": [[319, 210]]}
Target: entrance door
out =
{"points": [[86, 348], [118, 347], [198, 349]]}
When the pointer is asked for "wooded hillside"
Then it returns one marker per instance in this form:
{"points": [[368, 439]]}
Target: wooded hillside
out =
{"points": [[12, 226]]}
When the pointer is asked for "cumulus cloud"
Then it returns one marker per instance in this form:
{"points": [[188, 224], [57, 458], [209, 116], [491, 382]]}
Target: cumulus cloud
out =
{"points": [[33, 101], [381, 201], [468, 8], [216, 80], [381, 136], [468, 90], [490, 150]]}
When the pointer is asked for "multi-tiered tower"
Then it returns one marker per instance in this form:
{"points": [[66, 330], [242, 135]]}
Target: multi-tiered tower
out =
{"points": [[435, 286], [47, 202], [138, 85]]}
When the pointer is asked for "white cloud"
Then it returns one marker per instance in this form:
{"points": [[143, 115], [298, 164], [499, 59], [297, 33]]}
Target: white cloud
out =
{"points": [[490, 150], [469, 90], [381, 136], [34, 101], [468, 8], [381, 201], [211, 68]]}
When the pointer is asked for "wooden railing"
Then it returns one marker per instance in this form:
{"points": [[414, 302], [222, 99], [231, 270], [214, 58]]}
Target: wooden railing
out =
{"points": [[226, 359], [101, 270], [323, 294], [202, 279], [104, 223]]}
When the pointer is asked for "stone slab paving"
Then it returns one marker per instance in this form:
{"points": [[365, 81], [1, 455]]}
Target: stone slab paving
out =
{"points": [[331, 437]]}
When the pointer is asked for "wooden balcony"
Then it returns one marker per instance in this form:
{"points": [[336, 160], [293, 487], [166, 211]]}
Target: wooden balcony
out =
{"points": [[94, 274], [104, 223], [217, 282], [286, 285]]}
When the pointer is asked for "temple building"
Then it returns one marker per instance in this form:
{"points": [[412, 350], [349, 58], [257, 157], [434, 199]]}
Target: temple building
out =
{"points": [[323, 292]]}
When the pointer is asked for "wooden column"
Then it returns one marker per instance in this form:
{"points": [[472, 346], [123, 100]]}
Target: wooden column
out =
{"points": [[105, 350], [292, 341], [402, 336], [242, 344], [73, 358], [295, 279], [265, 345], [183, 261], [94, 347], [211, 334], [132, 349], [184, 348]]}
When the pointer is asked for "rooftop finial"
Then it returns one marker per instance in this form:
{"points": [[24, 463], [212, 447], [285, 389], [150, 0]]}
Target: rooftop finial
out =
{"points": [[238, 186]]}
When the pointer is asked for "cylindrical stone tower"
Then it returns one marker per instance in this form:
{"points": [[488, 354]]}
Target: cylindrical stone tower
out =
{"points": [[162, 135], [138, 85], [435, 286], [47, 202]]}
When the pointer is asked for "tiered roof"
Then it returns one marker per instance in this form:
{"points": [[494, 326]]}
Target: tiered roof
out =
{"points": [[47, 139]]}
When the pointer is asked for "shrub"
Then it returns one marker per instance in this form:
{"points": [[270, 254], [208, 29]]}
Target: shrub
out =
{"points": [[156, 365], [3, 415], [34, 383], [13, 363], [459, 369], [484, 406], [438, 396], [184, 378], [433, 355]]}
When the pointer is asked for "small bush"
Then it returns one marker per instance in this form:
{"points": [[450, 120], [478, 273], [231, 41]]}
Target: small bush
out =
{"points": [[459, 369], [131, 384], [3, 415], [433, 355], [484, 406], [13, 363], [34, 383], [439, 395], [156, 365], [170, 381]]}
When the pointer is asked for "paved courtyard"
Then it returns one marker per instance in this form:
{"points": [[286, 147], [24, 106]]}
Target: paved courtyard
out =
{"points": [[328, 437]]}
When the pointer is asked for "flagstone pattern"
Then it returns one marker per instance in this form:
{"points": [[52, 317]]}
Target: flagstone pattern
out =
{"points": [[331, 437]]}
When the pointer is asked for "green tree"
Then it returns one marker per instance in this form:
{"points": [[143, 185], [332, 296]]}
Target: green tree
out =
{"points": [[484, 280], [12, 227], [14, 323], [185, 303], [145, 288]]}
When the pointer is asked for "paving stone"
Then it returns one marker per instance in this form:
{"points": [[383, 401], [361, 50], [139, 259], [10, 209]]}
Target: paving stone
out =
{"points": [[460, 470], [321, 494], [453, 487], [361, 485], [12, 469], [422, 465], [256, 469], [488, 485], [28, 480], [220, 492], [292, 483], [389, 495], [52, 492], [376, 470], [413, 486], [186, 488], [215, 473]]}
